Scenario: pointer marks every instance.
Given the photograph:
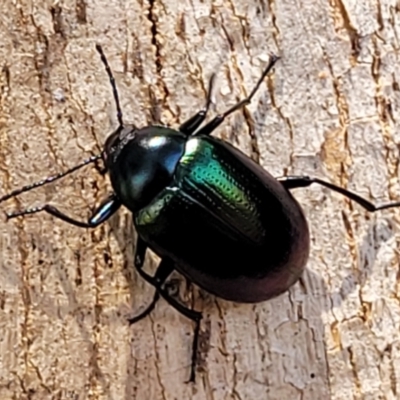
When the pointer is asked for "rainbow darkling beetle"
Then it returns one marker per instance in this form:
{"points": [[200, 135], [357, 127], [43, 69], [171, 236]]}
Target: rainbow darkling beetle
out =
{"points": [[204, 207]]}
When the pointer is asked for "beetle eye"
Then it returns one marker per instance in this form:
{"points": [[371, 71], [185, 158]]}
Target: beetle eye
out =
{"points": [[110, 144]]}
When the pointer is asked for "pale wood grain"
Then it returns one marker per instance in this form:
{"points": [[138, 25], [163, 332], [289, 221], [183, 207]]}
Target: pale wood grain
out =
{"points": [[331, 109]]}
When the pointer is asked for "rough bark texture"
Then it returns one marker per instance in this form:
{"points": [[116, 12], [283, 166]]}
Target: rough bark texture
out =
{"points": [[330, 109]]}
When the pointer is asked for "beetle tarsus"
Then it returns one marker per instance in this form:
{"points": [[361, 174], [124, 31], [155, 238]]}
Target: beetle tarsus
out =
{"points": [[195, 345]]}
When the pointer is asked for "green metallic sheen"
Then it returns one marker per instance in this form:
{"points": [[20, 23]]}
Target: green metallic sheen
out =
{"points": [[226, 226]]}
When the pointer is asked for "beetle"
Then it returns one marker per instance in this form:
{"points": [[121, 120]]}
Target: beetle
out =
{"points": [[204, 207]]}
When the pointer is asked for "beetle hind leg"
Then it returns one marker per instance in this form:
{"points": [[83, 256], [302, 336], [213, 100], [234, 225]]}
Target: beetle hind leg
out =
{"points": [[164, 269], [292, 182]]}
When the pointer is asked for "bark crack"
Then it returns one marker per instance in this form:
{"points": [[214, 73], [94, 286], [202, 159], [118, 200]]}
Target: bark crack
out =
{"points": [[276, 31], [285, 119], [41, 64], [89, 116], [5, 90], [354, 372], [349, 28], [80, 10], [344, 118], [157, 362], [154, 32], [153, 18]]}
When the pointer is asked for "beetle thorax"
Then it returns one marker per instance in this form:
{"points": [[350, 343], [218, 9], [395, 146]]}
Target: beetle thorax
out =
{"points": [[142, 163]]}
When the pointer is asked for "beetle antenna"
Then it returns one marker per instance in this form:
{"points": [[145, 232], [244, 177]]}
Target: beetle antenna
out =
{"points": [[113, 85], [49, 179]]}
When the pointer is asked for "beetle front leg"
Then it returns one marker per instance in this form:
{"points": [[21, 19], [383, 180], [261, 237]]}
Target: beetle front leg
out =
{"points": [[164, 269], [215, 122], [106, 209]]}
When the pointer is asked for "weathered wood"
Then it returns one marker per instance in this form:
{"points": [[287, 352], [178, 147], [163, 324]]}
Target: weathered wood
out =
{"points": [[330, 109]]}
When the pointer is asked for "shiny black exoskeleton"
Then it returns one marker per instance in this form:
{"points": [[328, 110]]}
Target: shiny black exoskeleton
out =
{"points": [[204, 207]]}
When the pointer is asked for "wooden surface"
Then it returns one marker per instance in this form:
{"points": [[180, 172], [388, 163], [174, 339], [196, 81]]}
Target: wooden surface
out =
{"points": [[330, 109]]}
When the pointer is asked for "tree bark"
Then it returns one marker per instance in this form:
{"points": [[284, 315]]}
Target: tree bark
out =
{"points": [[330, 109]]}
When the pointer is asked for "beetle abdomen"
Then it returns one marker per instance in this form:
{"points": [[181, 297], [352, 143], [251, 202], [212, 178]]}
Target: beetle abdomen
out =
{"points": [[227, 226]]}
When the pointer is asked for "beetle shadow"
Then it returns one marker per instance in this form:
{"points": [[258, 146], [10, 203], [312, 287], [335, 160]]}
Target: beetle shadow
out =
{"points": [[312, 284]]}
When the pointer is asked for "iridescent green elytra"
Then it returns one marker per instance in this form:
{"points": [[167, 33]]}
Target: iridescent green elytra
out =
{"points": [[221, 223]]}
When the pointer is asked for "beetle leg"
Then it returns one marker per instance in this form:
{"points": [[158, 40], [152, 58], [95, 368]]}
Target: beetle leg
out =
{"points": [[101, 169], [193, 315], [291, 182], [162, 273], [166, 266], [189, 126], [146, 311], [214, 123], [140, 253], [106, 209]]}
